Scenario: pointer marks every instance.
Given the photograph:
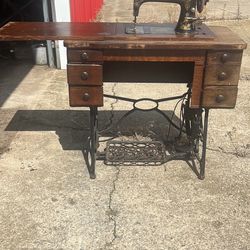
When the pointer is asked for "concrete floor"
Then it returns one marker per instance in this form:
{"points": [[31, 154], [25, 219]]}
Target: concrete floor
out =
{"points": [[49, 202]]}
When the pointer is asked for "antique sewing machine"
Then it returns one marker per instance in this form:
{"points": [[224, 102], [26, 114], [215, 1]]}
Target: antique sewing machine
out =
{"points": [[188, 19], [207, 59]]}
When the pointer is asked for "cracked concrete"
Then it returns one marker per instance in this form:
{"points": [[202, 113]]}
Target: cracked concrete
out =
{"points": [[112, 213], [111, 106], [47, 198]]}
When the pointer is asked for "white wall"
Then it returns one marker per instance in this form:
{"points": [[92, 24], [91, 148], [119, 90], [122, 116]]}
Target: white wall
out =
{"points": [[62, 14]]}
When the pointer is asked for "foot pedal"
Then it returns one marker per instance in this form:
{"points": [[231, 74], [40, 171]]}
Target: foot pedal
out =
{"points": [[151, 153]]}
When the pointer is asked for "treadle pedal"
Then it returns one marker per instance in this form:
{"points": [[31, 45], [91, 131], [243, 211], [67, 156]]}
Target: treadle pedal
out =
{"points": [[151, 153]]}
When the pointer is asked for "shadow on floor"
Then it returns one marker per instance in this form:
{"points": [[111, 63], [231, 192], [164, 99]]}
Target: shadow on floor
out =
{"points": [[72, 126], [12, 74]]}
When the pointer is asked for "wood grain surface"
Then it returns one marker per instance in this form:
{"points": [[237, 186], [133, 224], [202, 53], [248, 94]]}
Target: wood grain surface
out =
{"points": [[224, 57], [211, 96], [215, 51], [84, 56], [222, 74], [86, 74], [94, 96], [112, 35]]}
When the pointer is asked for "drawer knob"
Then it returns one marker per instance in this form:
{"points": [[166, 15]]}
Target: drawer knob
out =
{"points": [[86, 96], [84, 75], [85, 56], [222, 76], [225, 57], [220, 98]]}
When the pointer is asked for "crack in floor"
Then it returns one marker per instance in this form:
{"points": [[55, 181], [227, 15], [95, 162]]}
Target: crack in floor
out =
{"points": [[221, 150], [112, 108], [237, 148], [112, 213]]}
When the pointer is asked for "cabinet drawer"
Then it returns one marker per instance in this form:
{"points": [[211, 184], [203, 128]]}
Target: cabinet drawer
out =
{"points": [[87, 74], [84, 56], [219, 97], [224, 57], [222, 75], [85, 96]]}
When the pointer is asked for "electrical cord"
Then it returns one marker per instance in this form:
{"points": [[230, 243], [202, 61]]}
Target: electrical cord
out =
{"points": [[181, 122]]}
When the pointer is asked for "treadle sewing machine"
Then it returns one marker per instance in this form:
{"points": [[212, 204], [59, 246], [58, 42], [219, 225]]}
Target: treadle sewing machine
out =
{"points": [[209, 59]]}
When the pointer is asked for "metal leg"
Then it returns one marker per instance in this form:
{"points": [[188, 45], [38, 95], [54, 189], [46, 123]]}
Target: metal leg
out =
{"points": [[204, 146], [190, 145], [93, 142], [196, 131]]}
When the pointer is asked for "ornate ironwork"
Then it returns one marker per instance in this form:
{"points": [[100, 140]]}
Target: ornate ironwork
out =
{"points": [[189, 145], [135, 153], [136, 108]]}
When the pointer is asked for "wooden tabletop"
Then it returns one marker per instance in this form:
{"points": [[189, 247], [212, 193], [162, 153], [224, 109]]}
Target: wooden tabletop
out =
{"points": [[113, 35]]}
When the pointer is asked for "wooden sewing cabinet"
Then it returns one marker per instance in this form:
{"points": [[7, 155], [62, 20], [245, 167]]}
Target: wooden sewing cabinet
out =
{"points": [[209, 62]]}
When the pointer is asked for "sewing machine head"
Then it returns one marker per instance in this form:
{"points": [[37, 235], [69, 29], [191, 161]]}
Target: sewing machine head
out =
{"points": [[187, 20]]}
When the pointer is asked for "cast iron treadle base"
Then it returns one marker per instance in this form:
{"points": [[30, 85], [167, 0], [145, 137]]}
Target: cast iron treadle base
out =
{"points": [[151, 153]]}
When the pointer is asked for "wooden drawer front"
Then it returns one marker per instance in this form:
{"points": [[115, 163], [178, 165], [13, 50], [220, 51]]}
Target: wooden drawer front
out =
{"points": [[85, 96], [219, 97], [88, 74], [84, 56], [224, 57], [222, 75]]}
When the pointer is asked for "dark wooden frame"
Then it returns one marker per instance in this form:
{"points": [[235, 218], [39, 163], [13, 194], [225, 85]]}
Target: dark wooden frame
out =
{"points": [[215, 54]]}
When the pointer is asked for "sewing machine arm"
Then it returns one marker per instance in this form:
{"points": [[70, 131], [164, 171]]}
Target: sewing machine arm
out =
{"points": [[187, 18]]}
